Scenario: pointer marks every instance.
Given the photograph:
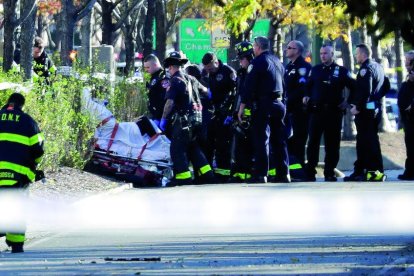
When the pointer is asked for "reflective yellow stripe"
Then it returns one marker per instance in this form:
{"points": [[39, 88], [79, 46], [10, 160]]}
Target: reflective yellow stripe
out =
{"points": [[15, 237], [183, 175], [243, 176], [377, 175], [7, 182], [37, 138], [272, 172], [295, 166], [205, 169], [4, 165], [222, 171], [16, 138], [247, 112]]}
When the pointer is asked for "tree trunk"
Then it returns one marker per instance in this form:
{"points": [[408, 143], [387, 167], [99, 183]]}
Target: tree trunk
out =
{"points": [[86, 27], [107, 25], [26, 38], [349, 129], [231, 52], [399, 55], [66, 30], [10, 25], [148, 35], [161, 30]]}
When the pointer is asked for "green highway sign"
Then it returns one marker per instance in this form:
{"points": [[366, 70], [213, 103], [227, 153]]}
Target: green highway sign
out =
{"points": [[195, 38]]}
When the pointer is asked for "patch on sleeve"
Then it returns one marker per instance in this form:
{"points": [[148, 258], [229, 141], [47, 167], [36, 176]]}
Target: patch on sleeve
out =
{"points": [[250, 68], [362, 72], [302, 71], [165, 83]]}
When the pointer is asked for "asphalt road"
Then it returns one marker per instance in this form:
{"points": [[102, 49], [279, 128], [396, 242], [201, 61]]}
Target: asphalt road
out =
{"points": [[235, 229]]}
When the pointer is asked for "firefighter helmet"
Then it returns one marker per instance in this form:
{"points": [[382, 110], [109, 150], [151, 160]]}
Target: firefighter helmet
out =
{"points": [[244, 49]]}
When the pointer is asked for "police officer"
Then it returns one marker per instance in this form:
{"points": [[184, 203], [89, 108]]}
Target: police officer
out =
{"points": [[156, 87], [406, 107], [21, 149], [176, 119], [296, 77], [264, 89], [326, 105], [365, 105], [221, 84], [43, 66]]}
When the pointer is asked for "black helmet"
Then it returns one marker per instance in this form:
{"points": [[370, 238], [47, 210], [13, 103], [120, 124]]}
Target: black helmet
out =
{"points": [[244, 49], [175, 58]]}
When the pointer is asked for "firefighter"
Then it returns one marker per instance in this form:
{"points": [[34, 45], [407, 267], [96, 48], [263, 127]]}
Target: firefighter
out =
{"points": [[366, 106], [242, 152], [21, 149], [264, 89], [179, 122], [296, 77], [221, 84], [326, 105], [156, 87]]}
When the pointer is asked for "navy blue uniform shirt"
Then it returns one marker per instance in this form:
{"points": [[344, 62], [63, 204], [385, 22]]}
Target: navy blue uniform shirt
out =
{"points": [[326, 84], [156, 93], [296, 77], [369, 81], [222, 84], [178, 92], [264, 78]]}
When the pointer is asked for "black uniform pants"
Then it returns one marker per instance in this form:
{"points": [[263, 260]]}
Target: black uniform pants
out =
{"points": [[408, 125], [368, 148], [327, 122], [297, 143], [242, 154], [267, 122], [184, 148], [219, 139]]}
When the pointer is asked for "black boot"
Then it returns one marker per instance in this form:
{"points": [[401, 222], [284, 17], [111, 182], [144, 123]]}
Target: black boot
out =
{"points": [[17, 247]]}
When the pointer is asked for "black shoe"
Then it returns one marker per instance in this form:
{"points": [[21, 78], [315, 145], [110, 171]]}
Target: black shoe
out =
{"points": [[330, 179], [179, 182], [257, 179], [17, 248], [355, 177], [405, 177], [310, 178], [281, 179]]}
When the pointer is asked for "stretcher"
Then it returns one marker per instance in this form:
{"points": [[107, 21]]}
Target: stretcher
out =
{"points": [[136, 152]]}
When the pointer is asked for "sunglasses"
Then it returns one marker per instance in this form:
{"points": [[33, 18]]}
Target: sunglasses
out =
{"points": [[290, 48]]}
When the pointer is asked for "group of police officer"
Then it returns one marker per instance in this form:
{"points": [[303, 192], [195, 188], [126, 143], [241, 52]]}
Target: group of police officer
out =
{"points": [[257, 121]]}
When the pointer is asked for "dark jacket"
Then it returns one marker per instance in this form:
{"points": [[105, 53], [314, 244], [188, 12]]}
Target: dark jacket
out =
{"points": [[296, 78], [21, 147], [326, 84], [156, 94], [369, 82], [264, 79], [405, 99]]}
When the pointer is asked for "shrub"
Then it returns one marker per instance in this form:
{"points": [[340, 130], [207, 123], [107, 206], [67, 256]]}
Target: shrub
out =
{"points": [[57, 109]]}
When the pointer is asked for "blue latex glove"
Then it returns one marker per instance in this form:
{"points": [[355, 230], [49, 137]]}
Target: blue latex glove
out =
{"points": [[228, 120], [156, 122], [163, 124], [209, 94]]}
